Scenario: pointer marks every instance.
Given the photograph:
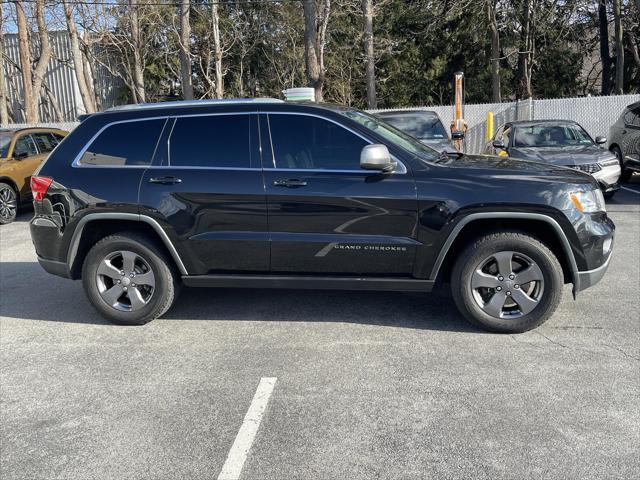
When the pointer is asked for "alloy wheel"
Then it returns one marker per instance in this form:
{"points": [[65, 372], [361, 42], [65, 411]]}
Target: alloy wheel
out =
{"points": [[8, 203], [125, 281], [507, 285]]}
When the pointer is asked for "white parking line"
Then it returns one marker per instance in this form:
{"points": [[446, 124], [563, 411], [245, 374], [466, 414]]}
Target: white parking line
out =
{"points": [[240, 448], [630, 190]]}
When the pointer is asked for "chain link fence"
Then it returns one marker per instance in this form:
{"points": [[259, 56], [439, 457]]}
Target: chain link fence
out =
{"points": [[595, 114]]}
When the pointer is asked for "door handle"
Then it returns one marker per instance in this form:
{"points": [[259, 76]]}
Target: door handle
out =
{"points": [[165, 180], [290, 183]]}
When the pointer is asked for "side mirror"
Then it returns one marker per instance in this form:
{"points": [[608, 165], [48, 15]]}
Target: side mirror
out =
{"points": [[600, 140], [376, 157], [457, 135], [20, 156], [499, 144]]}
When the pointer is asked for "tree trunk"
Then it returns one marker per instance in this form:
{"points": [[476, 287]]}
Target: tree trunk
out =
{"points": [[603, 22], [217, 52], [4, 112], [314, 40], [370, 74], [78, 63], [185, 50], [45, 55], [525, 56], [618, 38], [138, 70], [30, 114], [494, 61]]}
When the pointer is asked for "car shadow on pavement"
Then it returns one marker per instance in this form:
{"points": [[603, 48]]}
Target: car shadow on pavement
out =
{"points": [[28, 293]]}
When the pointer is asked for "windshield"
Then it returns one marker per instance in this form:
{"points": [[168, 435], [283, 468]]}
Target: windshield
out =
{"points": [[393, 135], [5, 140], [422, 125], [549, 135]]}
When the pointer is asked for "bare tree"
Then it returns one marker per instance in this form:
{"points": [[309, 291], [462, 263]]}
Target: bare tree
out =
{"points": [[316, 17], [526, 52], [618, 39], [43, 60], [494, 61], [370, 74], [217, 48], [78, 61], [185, 50], [603, 23], [4, 93], [136, 47], [30, 114]]}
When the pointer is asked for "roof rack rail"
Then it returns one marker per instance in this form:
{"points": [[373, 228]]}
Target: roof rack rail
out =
{"points": [[187, 103]]}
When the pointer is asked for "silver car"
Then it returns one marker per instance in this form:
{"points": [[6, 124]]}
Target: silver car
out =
{"points": [[624, 140], [559, 142], [425, 125]]}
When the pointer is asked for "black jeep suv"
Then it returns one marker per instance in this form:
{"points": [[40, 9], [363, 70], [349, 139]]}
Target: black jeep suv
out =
{"points": [[259, 193]]}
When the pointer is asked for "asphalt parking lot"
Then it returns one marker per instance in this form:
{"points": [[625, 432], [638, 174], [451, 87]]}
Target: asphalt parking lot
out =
{"points": [[369, 385]]}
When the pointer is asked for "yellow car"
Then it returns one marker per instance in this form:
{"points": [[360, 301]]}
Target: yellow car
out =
{"points": [[21, 152]]}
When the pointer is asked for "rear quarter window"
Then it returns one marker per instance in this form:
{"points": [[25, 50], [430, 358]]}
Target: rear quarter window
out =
{"points": [[124, 144]]}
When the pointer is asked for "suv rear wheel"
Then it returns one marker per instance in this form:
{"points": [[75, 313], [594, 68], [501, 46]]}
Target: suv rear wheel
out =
{"points": [[507, 282], [128, 279]]}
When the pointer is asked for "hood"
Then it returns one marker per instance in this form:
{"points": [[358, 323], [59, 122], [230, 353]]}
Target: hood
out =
{"points": [[566, 156], [505, 167]]}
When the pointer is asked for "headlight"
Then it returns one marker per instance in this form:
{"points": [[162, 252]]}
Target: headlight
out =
{"points": [[609, 163], [591, 201]]}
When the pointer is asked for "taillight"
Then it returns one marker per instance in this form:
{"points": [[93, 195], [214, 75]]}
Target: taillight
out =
{"points": [[39, 187]]}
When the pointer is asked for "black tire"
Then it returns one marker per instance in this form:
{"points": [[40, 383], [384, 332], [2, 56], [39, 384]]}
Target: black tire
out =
{"points": [[166, 280], [8, 203], [625, 173], [520, 244], [609, 195]]}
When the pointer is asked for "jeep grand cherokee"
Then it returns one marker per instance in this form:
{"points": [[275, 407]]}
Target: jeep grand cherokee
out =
{"points": [[140, 200]]}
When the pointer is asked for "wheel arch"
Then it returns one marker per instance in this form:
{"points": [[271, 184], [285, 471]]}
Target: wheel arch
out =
{"points": [[540, 226], [9, 181], [104, 224]]}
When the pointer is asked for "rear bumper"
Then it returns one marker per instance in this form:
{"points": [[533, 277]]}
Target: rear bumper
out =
{"points": [[54, 267]]}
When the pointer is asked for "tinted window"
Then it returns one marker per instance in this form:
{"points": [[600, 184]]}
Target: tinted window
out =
{"points": [[550, 135], [45, 141], [5, 141], [304, 142], [25, 147], [129, 143], [422, 125], [211, 141]]}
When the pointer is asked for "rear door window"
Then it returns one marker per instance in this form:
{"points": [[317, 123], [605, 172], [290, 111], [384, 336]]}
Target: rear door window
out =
{"points": [[212, 141], [45, 142], [125, 144], [25, 147]]}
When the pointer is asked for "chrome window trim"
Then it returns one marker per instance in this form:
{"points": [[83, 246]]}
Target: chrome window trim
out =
{"points": [[76, 161], [402, 171]]}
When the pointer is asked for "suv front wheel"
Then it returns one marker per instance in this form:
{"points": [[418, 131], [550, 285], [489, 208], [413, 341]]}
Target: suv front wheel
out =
{"points": [[507, 282], [128, 279]]}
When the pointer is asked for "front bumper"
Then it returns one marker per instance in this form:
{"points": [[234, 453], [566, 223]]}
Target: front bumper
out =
{"points": [[608, 178], [589, 278]]}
